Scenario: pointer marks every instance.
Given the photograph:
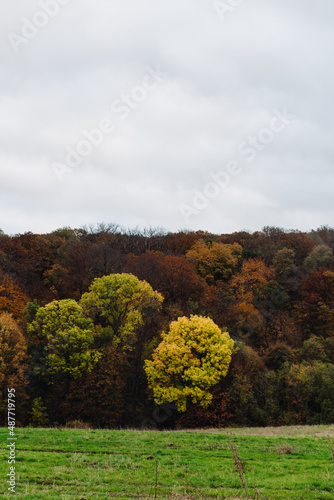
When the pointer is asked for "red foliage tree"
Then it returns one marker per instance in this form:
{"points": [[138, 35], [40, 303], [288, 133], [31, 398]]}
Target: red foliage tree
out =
{"points": [[174, 277]]}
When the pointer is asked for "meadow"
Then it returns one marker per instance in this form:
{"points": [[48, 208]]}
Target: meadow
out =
{"points": [[268, 463]]}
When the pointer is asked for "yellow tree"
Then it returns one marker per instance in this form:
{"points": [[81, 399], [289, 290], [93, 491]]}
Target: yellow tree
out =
{"points": [[121, 303], [190, 360], [64, 340]]}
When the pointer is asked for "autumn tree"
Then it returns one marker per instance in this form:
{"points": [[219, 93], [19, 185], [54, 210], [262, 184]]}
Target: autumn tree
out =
{"points": [[64, 339], [215, 261], [58, 280], [179, 243], [247, 286], [191, 359], [174, 277], [283, 326], [246, 320], [316, 310], [300, 243], [13, 365], [76, 266], [284, 260], [252, 278], [120, 303], [12, 299], [26, 258], [149, 267]]}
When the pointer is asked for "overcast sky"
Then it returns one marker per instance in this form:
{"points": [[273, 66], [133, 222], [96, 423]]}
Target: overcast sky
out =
{"points": [[211, 115]]}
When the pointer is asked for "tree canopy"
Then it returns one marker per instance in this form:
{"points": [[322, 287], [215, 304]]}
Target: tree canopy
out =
{"points": [[192, 358], [215, 261], [65, 338], [121, 302]]}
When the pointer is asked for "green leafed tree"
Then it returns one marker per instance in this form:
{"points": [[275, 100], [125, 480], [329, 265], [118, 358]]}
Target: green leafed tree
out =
{"points": [[120, 303], [190, 360], [64, 338]]}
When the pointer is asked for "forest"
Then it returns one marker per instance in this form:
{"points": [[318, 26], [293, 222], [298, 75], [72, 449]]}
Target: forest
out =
{"points": [[104, 327]]}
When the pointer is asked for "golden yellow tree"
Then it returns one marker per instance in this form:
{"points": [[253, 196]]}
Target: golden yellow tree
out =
{"points": [[216, 261], [190, 360]]}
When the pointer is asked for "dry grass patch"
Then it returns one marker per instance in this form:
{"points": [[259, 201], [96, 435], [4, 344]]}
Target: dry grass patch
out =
{"points": [[286, 449]]}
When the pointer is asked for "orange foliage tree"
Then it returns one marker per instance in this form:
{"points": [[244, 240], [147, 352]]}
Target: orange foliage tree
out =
{"points": [[246, 286], [12, 298], [13, 365], [253, 277]]}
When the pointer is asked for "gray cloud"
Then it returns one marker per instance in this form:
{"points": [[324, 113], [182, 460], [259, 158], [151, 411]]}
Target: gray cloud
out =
{"points": [[224, 80]]}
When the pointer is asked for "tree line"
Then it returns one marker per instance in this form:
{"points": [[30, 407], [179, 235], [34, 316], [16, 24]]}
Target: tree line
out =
{"points": [[102, 325]]}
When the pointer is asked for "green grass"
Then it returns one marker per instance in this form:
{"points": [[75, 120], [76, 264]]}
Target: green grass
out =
{"points": [[284, 463]]}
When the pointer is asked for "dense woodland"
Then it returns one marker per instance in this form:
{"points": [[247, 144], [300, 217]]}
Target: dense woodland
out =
{"points": [[272, 290]]}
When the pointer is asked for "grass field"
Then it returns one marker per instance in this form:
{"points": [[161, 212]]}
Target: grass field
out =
{"points": [[284, 463]]}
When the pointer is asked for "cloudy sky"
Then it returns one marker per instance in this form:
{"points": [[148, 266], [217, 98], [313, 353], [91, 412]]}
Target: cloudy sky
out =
{"points": [[198, 114]]}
